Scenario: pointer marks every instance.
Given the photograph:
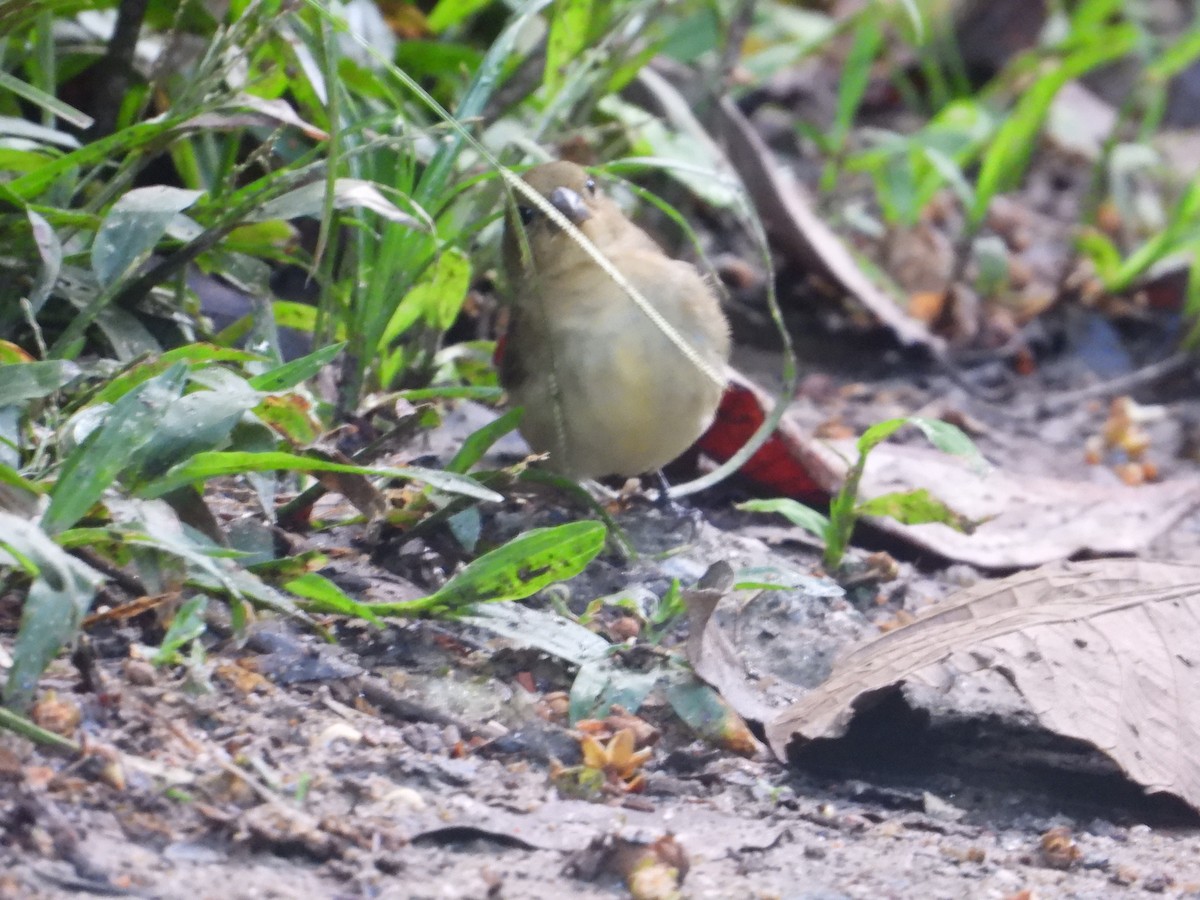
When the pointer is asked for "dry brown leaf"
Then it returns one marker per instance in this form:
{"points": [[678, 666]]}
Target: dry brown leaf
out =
{"points": [[1026, 520], [712, 654], [1103, 652]]}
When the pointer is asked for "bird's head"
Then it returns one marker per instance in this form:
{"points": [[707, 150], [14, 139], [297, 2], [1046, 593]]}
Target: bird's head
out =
{"points": [[574, 193]]}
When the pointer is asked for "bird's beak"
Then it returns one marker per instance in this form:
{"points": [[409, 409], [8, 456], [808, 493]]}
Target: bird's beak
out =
{"points": [[570, 204]]}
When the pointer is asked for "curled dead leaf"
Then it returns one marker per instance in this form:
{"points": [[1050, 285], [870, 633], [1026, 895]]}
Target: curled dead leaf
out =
{"points": [[1102, 652]]}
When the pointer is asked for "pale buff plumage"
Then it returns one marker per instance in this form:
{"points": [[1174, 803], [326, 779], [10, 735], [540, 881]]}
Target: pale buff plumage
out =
{"points": [[605, 391]]}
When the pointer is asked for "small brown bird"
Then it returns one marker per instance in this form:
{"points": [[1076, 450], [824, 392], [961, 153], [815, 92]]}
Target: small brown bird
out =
{"points": [[605, 390]]}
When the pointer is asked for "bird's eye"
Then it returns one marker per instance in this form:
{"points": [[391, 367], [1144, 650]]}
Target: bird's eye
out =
{"points": [[526, 213], [590, 184]]}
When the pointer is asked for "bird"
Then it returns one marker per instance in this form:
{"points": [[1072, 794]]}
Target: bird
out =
{"points": [[605, 390]]}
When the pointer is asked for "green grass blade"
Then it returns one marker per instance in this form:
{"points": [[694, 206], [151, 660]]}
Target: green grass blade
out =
{"points": [[212, 464]]}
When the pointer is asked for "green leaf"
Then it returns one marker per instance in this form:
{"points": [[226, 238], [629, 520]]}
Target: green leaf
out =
{"points": [[348, 193], [522, 567], [13, 479], [475, 99], [209, 465], [482, 393], [451, 12], [48, 102], [51, 251], [436, 298], [1010, 149], [1103, 253], [540, 629], [707, 713], [603, 683], [477, 444], [58, 599], [33, 380], [1182, 229], [292, 373], [568, 38], [97, 152], [93, 465], [194, 354], [856, 73], [325, 596], [1175, 59], [916, 507], [187, 625], [795, 512], [950, 439], [133, 227], [878, 433], [193, 424]]}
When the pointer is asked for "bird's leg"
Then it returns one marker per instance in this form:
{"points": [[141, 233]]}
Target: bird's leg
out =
{"points": [[665, 503]]}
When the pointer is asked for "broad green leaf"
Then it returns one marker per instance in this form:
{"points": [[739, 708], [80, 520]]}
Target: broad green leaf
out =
{"points": [[291, 415], [916, 507], [525, 565], [58, 599], [33, 380], [192, 424], [795, 512], [133, 227], [209, 465], [522, 567], [93, 465], [300, 316]]}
